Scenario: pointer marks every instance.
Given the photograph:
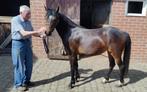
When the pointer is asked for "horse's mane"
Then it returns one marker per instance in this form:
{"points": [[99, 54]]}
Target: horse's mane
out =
{"points": [[69, 21]]}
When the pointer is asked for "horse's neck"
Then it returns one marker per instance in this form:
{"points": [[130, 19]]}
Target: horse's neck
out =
{"points": [[64, 26], [64, 30]]}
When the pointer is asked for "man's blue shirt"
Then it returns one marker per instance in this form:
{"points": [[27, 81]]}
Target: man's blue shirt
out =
{"points": [[18, 24]]}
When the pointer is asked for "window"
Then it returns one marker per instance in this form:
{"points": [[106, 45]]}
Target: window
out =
{"points": [[136, 7]]}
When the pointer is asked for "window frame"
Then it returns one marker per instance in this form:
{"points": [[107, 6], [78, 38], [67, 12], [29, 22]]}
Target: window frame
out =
{"points": [[144, 9]]}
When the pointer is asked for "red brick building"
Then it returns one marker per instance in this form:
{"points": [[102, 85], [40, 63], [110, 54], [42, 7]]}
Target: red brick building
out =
{"points": [[128, 15], [135, 25]]}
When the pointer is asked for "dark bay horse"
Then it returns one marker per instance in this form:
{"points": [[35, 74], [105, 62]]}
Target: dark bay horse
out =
{"points": [[88, 42]]}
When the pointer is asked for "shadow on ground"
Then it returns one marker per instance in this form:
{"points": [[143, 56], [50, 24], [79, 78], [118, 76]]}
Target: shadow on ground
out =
{"points": [[134, 76], [58, 77], [6, 73]]}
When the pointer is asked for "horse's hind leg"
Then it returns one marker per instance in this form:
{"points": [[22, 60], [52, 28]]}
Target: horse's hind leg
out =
{"points": [[116, 53], [111, 66], [122, 70]]}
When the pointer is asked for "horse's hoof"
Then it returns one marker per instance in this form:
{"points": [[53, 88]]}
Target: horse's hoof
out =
{"points": [[77, 80], [71, 86], [120, 84], [105, 81]]}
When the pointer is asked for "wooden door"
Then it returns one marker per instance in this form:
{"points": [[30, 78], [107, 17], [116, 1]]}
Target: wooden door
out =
{"points": [[5, 35], [70, 8]]}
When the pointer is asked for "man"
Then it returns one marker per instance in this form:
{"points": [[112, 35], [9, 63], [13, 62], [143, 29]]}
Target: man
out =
{"points": [[22, 30]]}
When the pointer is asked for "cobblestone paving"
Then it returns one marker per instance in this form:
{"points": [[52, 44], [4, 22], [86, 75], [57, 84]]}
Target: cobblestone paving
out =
{"points": [[54, 76]]}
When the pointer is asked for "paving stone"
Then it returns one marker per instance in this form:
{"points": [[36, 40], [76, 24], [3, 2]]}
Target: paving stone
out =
{"points": [[54, 76]]}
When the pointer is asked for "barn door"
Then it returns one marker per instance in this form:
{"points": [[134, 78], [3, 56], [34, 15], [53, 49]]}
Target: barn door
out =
{"points": [[5, 36], [94, 13], [70, 8]]}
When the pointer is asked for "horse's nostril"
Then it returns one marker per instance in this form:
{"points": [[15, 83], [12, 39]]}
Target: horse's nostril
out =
{"points": [[49, 34], [45, 32]]}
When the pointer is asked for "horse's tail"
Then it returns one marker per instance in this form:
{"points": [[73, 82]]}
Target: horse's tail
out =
{"points": [[127, 53]]}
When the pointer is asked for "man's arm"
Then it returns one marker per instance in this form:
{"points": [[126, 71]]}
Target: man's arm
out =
{"points": [[20, 32], [28, 33], [37, 33], [34, 33]]}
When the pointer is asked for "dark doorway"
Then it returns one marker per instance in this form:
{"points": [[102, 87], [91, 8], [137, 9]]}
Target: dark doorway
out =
{"points": [[94, 13], [11, 7], [8, 8]]}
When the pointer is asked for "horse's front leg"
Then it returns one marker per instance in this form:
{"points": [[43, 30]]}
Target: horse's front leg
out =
{"points": [[72, 67], [76, 70]]}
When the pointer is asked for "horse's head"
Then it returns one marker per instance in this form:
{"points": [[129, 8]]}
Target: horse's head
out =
{"points": [[53, 18]]}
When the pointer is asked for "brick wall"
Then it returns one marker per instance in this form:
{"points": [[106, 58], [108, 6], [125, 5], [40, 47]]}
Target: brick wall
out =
{"points": [[135, 26], [38, 20]]}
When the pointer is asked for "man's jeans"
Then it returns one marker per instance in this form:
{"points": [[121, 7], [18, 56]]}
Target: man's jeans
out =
{"points": [[22, 61]]}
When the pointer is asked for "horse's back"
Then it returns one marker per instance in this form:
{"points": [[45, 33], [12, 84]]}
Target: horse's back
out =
{"points": [[116, 34], [104, 33]]}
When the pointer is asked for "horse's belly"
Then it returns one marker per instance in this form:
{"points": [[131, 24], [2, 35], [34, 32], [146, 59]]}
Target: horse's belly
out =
{"points": [[91, 51]]}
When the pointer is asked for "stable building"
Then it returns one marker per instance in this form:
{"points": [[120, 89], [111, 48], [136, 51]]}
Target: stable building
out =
{"points": [[127, 15]]}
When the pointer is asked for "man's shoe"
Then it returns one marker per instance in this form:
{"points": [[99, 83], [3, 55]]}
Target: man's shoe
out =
{"points": [[21, 89], [25, 87]]}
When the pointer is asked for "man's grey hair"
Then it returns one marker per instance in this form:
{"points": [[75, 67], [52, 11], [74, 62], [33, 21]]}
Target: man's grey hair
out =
{"points": [[24, 8]]}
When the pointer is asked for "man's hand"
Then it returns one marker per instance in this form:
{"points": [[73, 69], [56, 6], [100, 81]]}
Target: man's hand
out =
{"points": [[42, 31]]}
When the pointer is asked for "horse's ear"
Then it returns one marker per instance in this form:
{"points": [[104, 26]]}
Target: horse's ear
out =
{"points": [[45, 7], [57, 10]]}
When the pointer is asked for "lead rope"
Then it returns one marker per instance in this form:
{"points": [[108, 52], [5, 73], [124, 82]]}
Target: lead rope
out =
{"points": [[46, 39], [45, 45]]}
